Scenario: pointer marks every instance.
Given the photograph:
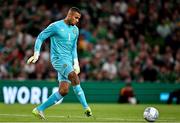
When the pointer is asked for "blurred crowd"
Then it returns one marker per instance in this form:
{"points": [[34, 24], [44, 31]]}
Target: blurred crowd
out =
{"points": [[120, 40]]}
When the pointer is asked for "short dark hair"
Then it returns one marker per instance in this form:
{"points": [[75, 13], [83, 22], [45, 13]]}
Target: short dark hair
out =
{"points": [[75, 9]]}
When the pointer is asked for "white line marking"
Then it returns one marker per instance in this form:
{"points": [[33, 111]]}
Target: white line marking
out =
{"points": [[95, 118]]}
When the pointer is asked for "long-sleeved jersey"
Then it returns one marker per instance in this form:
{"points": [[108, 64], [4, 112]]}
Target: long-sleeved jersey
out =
{"points": [[63, 41]]}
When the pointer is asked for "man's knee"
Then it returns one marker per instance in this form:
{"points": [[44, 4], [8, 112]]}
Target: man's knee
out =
{"points": [[64, 88], [63, 91], [73, 77]]}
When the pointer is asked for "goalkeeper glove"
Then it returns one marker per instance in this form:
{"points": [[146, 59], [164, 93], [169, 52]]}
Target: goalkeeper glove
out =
{"points": [[33, 58], [76, 66]]}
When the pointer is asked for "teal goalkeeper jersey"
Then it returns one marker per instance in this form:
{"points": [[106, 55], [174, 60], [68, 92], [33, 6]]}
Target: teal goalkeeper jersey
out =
{"points": [[63, 41]]}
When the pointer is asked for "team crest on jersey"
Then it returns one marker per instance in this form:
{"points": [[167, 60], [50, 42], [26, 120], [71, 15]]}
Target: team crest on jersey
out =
{"points": [[74, 31], [64, 65]]}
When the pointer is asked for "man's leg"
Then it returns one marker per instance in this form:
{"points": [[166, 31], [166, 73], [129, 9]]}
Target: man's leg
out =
{"points": [[73, 77], [53, 99]]}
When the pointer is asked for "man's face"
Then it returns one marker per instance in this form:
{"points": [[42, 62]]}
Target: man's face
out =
{"points": [[74, 17]]}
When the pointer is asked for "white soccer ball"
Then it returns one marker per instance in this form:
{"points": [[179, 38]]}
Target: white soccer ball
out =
{"points": [[151, 114]]}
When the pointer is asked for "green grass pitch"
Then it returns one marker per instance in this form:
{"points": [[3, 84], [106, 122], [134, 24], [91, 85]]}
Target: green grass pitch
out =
{"points": [[73, 112]]}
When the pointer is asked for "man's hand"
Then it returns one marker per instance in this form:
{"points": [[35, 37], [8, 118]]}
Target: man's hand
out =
{"points": [[33, 58], [76, 66]]}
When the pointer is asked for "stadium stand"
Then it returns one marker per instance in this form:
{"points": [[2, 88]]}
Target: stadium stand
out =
{"points": [[127, 40]]}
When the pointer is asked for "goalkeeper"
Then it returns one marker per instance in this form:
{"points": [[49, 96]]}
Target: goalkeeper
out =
{"points": [[63, 35]]}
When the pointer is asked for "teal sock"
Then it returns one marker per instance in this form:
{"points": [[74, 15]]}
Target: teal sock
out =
{"points": [[80, 95], [54, 98]]}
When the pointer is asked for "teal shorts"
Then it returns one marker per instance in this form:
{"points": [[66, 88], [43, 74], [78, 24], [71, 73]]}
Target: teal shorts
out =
{"points": [[63, 71]]}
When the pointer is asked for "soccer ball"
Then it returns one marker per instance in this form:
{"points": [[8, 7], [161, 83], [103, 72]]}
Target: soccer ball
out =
{"points": [[151, 114]]}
